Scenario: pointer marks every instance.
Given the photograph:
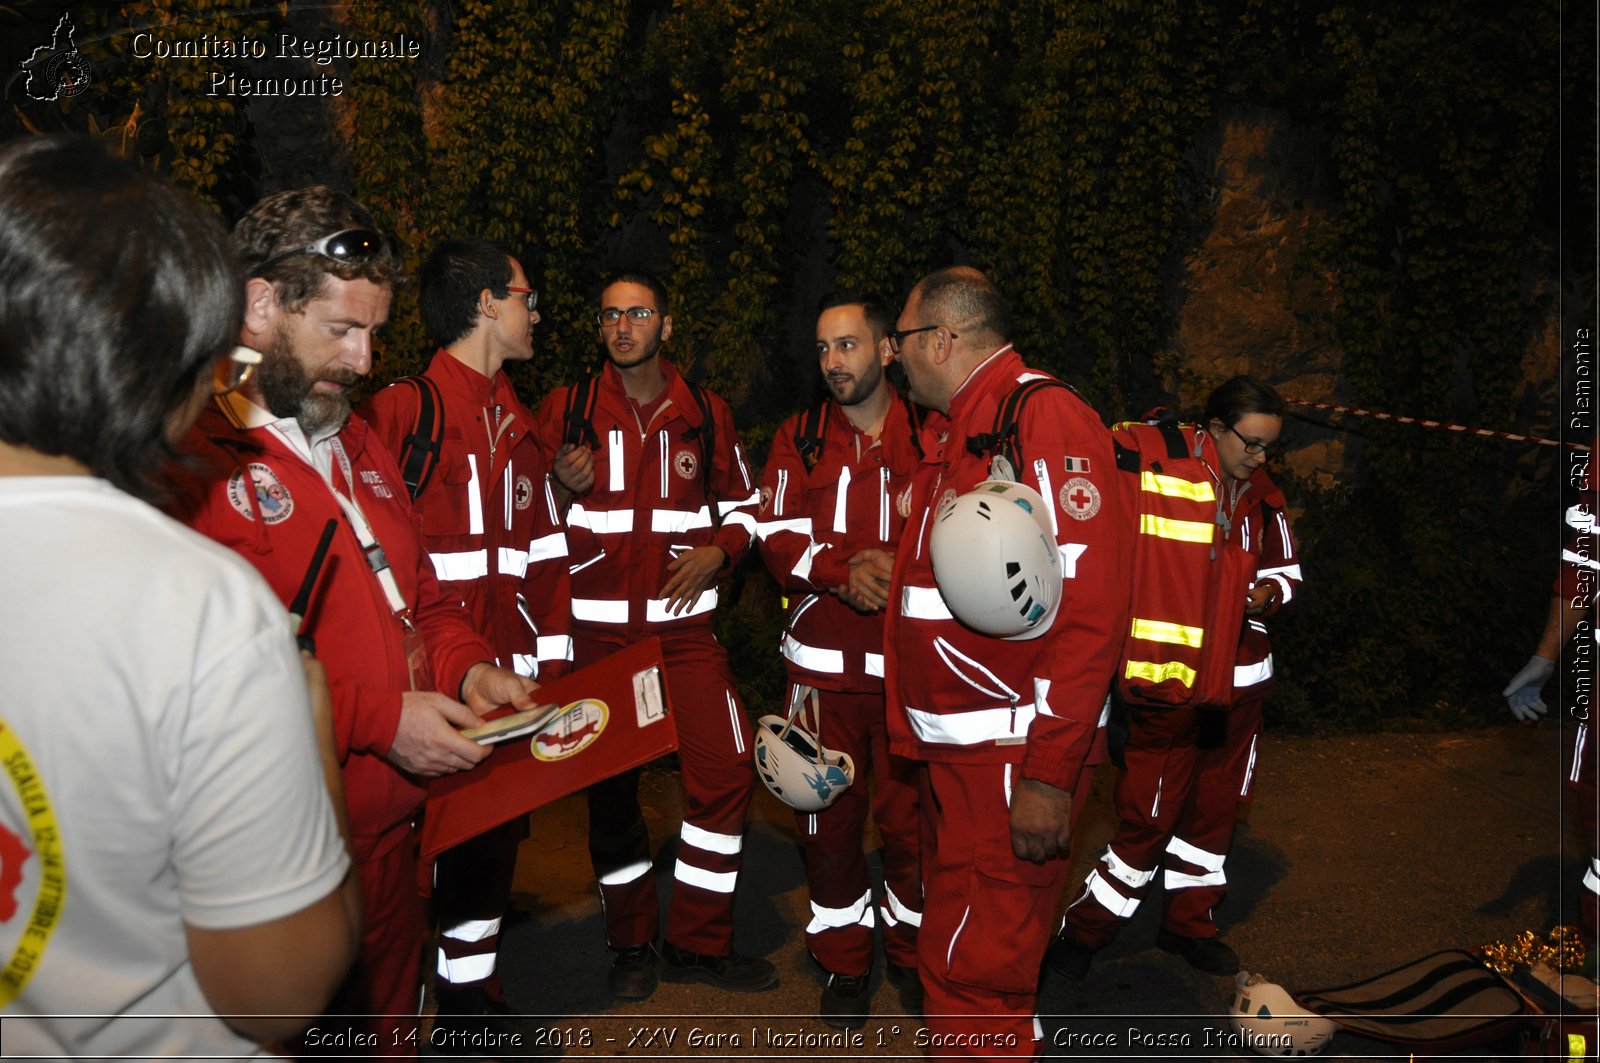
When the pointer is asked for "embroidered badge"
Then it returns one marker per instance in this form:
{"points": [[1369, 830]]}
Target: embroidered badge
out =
{"points": [[1079, 498], [684, 463], [902, 503], [267, 493], [1078, 465], [522, 493], [946, 500], [573, 731]]}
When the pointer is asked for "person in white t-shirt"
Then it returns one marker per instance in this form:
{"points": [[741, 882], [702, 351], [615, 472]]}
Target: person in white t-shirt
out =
{"points": [[174, 874]]}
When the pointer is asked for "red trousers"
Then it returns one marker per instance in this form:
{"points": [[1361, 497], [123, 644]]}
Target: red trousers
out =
{"points": [[840, 932], [471, 890], [988, 914], [718, 776]]}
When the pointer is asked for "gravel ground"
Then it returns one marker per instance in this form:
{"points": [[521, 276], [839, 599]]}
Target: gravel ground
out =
{"points": [[1357, 855]]}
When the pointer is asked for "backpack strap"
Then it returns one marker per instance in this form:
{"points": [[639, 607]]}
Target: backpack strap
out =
{"points": [[1002, 438], [812, 433], [577, 419], [419, 451]]}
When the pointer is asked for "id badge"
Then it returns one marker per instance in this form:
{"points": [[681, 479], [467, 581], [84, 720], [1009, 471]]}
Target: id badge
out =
{"points": [[416, 653]]}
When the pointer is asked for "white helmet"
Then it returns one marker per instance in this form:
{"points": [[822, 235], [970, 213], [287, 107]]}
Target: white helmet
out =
{"points": [[1270, 1022], [799, 770], [995, 560]]}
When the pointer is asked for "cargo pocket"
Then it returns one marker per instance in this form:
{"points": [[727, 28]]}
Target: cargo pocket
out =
{"points": [[1010, 912]]}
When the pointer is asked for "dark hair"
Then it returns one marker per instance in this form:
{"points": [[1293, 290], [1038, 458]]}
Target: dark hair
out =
{"points": [[637, 276], [960, 297], [1240, 397], [877, 315], [296, 217], [450, 281], [117, 292]]}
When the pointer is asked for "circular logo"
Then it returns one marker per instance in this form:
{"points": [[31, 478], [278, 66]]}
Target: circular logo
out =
{"points": [[67, 74], [684, 463], [573, 731], [946, 500], [902, 503], [1079, 498], [265, 494], [33, 869], [522, 495]]}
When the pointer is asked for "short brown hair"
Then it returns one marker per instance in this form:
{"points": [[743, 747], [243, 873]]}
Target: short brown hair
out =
{"points": [[296, 217]]}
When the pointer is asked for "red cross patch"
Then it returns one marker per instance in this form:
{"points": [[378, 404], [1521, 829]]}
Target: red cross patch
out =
{"points": [[1079, 498]]}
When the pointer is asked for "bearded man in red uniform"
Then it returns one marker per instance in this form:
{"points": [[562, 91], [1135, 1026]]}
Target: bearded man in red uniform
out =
{"points": [[661, 503], [272, 462], [1009, 730]]}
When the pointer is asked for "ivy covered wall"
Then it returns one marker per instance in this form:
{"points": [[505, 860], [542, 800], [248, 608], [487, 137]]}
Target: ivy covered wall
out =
{"points": [[759, 152]]}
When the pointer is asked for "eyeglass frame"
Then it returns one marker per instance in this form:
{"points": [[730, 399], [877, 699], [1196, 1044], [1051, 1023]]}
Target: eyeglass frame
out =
{"points": [[532, 296], [1253, 446], [636, 314], [894, 336], [373, 243]]}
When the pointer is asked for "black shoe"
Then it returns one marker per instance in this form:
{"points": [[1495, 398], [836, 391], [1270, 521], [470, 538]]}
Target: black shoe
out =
{"points": [[846, 999], [633, 973], [909, 983], [471, 1023], [743, 974], [1205, 954], [1069, 957]]}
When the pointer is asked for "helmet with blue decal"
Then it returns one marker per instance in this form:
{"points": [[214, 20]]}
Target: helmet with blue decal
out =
{"points": [[798, 769], [996, 562]]}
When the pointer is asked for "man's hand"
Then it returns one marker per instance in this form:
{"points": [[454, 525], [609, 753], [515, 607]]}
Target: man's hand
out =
{"points": [[487, 687], [692, 572], [1041, 820], [574, 472], [867, 590], [1523, 694], [1260, 597], [427, 743]]}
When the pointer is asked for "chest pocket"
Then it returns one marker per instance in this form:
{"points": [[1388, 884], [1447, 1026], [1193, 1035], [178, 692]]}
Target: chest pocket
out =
{"points": [[457, 496]]}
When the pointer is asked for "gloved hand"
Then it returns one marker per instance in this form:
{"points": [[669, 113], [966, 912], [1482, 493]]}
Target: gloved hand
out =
{"points": [[1522, 694]]}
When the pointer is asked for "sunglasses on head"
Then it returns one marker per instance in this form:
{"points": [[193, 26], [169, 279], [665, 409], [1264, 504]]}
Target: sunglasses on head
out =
{"points": [[349, 246]]}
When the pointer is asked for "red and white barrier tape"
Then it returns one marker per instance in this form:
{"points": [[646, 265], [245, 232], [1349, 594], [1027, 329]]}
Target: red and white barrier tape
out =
{"points": [[1447, 426]]}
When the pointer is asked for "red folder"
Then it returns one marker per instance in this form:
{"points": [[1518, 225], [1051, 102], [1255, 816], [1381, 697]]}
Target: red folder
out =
{"points": [[615, 717]]}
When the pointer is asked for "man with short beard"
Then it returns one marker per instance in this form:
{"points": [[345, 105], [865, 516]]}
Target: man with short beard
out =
{"points": [[274, 460]]}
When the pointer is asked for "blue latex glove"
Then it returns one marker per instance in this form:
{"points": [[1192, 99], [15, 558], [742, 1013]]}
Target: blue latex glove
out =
{"points": [[1522, 694]]}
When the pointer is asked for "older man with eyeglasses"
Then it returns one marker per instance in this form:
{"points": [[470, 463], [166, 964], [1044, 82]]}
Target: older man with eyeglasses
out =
{"points": [[661, 504], [276, 460]]}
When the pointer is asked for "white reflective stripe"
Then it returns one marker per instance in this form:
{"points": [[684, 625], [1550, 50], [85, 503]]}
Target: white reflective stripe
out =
{"points": [[700, 838], [735, 716], [655, 609], [715, 881], [813, 658], [744, 471], [1579, 742], [671, 521], [474, 503], [895, 910], [615, 458], [1105, 713], [923, 603], [661, 443], [1112, 901], [472, 930], [741, 519], [1177, 880], [858, 914], [970, 728], [1249, 768], [1579, 519], [553, 647], [463, 969], [465, 565], [798, 525], [525, 664], [1041, 472], [1125, 872], [624, 875], [547, 548], [875, 664], [1591, 878], [752, 499], [513, 562], [1288, 540], [1070, 552], [1572, 557], [840, 500], [1246, 675], [802, 568], [1195, 855], [954, 659], [883, 504], [781, 493], [1282, 575], [508, 499], [550, 501], [601, 521], [600, 610]]}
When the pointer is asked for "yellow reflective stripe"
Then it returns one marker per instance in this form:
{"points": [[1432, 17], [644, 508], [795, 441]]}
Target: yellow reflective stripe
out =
{"points": [[1187, 531], [1160, 673], [1173, 634], [1176, 487]]}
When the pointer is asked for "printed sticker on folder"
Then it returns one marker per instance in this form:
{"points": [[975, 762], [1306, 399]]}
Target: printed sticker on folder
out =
{"points": [[648, 698]]}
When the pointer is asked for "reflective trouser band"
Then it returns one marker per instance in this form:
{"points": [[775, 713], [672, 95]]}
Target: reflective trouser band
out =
{"points": [[1109, 899], [923, 603], [466, 565], [715, 881], [1193, 854], [895, 911], [1248, 675], [624, 875], [460, 970], [1177, 880], [472, 930], [700, 838], [1169, 633], [1125, 872], [1152, 672], [971, 728], [812, 658], [875, 664], [1176, 487], [1185, 531], [858, 914]]}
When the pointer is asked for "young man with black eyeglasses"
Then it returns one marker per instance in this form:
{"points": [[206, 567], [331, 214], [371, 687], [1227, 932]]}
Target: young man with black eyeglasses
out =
{"points": [[273, 462], [661, 503], [494, 535]]}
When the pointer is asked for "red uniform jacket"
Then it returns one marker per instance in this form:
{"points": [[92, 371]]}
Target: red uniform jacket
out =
{"points": [[1261, 526], [649, 505], [964, 696], [854, 497], [488, 515], [252, 491]]}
